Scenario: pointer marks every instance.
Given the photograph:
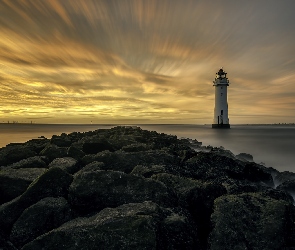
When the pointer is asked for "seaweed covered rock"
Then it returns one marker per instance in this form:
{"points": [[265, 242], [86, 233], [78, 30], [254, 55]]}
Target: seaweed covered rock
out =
{"points": [[14, 182], [40, 218], [130, 226], [93, 191], [148, 171], [251, 221], [67, 164], [211, 166]]}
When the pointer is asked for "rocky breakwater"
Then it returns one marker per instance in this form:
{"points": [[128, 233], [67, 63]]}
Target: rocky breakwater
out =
{"points": [[128, 188]]}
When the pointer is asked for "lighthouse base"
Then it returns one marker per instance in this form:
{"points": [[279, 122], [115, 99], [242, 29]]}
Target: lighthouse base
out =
{"points": [[220, 126]]}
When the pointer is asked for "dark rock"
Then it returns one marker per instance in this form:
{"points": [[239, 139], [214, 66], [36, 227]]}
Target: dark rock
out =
{"points": [[40, 218], [281, 177], [197, 197], [206, 198], [37, 145], [91, 167], [52, 151], [130, 226], [12, 154], [93, 191], [53, 183], [75, 153], [277, 195], [136, 147], [288, 186], [31, 162], [14, 182], [148, 171], [209, 166], [67, 164], [61, 141], [96, 144], [176, 232], [126, 161], [258, 173], [245, 157], [6, 244], [251, 221]]}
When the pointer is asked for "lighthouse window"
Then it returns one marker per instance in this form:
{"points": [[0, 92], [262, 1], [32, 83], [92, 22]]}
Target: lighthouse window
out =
{"points": [[221, 94], [221, 112], [221, 87]]}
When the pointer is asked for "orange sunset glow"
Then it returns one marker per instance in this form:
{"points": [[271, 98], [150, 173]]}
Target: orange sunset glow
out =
{"points": [[136, 61]]}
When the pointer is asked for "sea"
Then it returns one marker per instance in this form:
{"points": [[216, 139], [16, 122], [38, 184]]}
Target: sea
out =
{"points": [[271, 145]]}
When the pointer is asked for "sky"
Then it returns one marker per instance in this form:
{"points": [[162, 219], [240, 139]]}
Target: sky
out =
{"points": [[146, 61]]}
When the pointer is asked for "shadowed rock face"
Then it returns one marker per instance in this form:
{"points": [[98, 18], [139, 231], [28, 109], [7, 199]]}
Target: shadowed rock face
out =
{"points": [[53, 183], [14, 182], [43, 216], [128, 188]]}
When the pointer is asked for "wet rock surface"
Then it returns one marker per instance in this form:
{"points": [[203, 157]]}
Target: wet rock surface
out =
{"points": [[128, 188]]}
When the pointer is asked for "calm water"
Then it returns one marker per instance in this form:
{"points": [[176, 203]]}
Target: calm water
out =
{"points": [[272, 145]]}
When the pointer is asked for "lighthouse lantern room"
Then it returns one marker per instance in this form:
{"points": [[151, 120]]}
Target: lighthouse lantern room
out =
{"points": [[221, 107]]}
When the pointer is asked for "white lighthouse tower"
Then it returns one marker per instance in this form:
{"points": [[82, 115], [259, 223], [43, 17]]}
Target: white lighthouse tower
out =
{"points": [[221, 107]]}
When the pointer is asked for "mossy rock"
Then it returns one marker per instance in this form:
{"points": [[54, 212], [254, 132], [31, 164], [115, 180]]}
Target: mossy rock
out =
{"points": [[251, 221]]}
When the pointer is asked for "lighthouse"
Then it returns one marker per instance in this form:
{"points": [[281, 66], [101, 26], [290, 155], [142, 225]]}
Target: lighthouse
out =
{"points": [[221, 107]]}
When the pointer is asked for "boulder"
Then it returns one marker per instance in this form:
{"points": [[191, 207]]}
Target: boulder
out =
{"points": [[91, 167], [245, 157], [53, 183], [195, 196], [14, 153], [148, 171], [14, 182], [288, 186], [258, 173], [251, 221], [61, 141], [31, 162], [96, 144], [52, 151], [6, 244], [211, 166], [93, 191], [136, 147], [40, 218], [67, 164], [130, 226], [75, 152], [37, 145], [281, 177], [176, 232], [126, 161]]}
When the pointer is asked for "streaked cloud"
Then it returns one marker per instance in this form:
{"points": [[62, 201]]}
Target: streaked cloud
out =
{"points": [[145, 61]]}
